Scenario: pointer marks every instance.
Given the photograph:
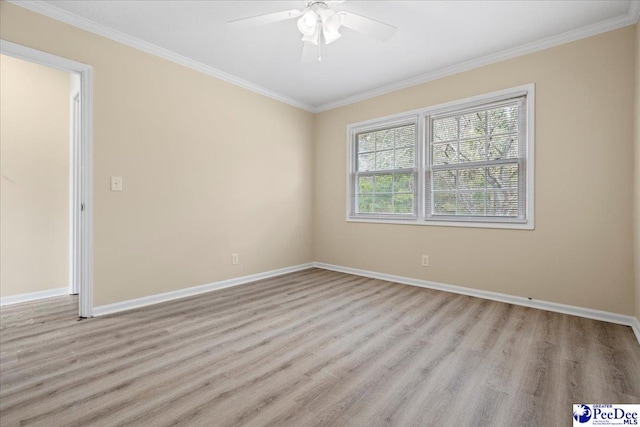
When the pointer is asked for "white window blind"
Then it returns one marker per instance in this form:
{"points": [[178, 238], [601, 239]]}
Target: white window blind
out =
{"points": [[476, 163]]}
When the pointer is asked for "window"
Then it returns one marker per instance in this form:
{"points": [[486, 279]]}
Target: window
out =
{"points": [[466, 163], [473, 163], [385, 171]]}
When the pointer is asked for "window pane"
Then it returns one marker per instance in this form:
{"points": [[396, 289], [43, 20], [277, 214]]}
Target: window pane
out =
{"points": [[444, 203], [472, 150], [470, 203], [444, 180], [503, 147], [386, 149], [366, 142], [383, 183], [365, 204], [503, 119], [365, 184], [405, 158], [366, 162], [383, 203], [469, 198], [473, 125], [385, 193], [444, 154], [405, 136], [403, 203], [471, 178], [445, 129], [504, 177], [384, 160], [384, 139], [403, 183], [502, 203]]}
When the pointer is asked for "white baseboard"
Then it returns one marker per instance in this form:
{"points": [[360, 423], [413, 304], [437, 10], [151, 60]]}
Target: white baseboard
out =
{"points": [[195, 290], [636, 328], [589, 313], [32, 296], [495, 296]]}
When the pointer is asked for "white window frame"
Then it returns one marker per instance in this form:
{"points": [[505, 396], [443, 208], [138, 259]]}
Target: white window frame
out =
{"points": [[420, 116], [395, 121]]}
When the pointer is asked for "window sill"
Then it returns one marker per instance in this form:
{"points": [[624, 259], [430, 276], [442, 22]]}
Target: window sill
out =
{"points": [[529, 225]]}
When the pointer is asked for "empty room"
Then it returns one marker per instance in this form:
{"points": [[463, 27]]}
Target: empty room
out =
{"points": [[319, 213]]}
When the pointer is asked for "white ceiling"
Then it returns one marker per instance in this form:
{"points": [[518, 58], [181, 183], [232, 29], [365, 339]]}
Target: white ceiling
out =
{"points": [[432, 36]]}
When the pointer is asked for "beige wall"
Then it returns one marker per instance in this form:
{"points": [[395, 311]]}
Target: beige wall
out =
{"points": [[637, 173], [34, 186], [209, 169], [581, 250]]}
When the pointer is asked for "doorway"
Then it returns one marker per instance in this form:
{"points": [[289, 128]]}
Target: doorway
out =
{"points": [[80, 162]]}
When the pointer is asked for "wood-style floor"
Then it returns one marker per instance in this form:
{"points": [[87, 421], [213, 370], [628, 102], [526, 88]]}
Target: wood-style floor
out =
{"points": [[310, 348]]}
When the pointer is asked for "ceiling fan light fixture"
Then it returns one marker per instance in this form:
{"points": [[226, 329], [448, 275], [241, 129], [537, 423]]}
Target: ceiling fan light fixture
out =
{"points": [[312, 38], [330, 36], [320, 25], [308, 23], [331, 23]]}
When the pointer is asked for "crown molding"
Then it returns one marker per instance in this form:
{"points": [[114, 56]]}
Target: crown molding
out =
{"points": [[634, 10], [43, 8], [630, 18], [61, 15]]}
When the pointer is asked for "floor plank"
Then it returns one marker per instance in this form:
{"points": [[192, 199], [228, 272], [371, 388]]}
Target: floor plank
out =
{"points": [[310, 348]]}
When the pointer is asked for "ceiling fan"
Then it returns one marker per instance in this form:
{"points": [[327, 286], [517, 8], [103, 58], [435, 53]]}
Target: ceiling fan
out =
{"points": [[320, 24]]}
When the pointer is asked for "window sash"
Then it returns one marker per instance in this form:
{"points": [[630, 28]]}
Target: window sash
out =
{"points": [[356, 193]]}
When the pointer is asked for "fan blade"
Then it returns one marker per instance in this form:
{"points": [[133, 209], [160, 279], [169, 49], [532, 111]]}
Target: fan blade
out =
{"points": [[369, 27], [269, 18], [309, 53]]}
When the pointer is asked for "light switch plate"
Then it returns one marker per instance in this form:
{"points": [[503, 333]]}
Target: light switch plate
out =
{"points": [[116, 183]]}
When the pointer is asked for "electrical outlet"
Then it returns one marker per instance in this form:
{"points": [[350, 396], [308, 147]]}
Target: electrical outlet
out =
{"points": [[425, 260], [235, 259], [116, 183]]}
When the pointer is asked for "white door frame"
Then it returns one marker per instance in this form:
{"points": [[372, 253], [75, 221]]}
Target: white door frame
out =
{"points": [[75, 198], [82, 170]]}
